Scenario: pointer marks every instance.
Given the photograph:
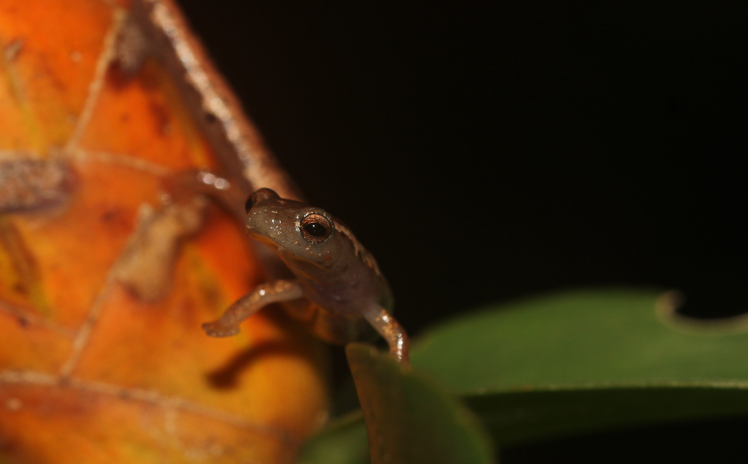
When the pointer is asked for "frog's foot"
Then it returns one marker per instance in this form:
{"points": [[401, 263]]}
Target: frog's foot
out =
{"points": [[392, 331], [220, 329]]}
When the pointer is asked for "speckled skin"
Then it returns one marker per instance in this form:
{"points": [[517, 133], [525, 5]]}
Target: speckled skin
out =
{"points": [[334, 272]]}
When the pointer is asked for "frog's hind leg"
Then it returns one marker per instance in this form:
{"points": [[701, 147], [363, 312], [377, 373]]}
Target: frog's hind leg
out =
{"points": [[391, 330], [263, 295]]}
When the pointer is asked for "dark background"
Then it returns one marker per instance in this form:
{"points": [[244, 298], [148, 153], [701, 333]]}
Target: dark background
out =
{"points": [[486, 151]]}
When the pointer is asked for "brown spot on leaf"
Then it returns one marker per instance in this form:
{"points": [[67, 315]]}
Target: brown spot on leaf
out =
{"points": [[110, 215], [160, 117], [28, 183], [13, 49]]}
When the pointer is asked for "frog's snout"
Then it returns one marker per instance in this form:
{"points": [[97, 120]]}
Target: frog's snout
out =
{"points": [[265, 224], [261, 195]]}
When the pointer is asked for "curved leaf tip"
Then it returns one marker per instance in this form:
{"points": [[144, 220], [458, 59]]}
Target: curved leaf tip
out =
{"points": [[409, 419]]}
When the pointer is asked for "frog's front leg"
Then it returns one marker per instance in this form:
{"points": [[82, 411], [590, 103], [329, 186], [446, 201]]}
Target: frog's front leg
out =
{"points": [[263, 295], [392, 332]]}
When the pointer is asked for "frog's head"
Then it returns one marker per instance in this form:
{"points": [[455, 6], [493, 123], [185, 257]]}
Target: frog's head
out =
{"points": [[301, 234]]}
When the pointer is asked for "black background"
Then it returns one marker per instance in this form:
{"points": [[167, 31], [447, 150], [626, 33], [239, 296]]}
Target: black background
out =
{"points": [[486, 151]]}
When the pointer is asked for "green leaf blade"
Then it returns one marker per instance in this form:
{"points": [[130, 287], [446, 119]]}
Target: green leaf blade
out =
{"points": [[576, 339], [343, 442], [584, 361]]}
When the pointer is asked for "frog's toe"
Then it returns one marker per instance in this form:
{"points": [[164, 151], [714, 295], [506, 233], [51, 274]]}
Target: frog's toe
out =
{"points": [[217, 329]]}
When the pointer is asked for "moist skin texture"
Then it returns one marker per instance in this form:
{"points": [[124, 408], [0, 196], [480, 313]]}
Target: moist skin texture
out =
{"points": [[338, 289]]}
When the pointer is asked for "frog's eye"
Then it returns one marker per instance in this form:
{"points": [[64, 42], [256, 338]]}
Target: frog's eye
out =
{"points": [[315, 228]]}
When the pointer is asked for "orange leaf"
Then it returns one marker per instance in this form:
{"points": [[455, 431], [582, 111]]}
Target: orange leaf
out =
{"points": [[106, 273]]}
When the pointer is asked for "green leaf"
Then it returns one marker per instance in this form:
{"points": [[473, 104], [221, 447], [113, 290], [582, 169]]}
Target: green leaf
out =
{"points": [[586, 360], [408, 419], [342, 442]]}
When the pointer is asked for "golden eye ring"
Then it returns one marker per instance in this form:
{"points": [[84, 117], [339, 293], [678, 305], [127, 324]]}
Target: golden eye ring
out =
{"points": [[315, 228]]}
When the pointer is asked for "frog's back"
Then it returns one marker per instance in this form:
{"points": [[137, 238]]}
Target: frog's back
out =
{"points": [[384, 295], [342, 324]]}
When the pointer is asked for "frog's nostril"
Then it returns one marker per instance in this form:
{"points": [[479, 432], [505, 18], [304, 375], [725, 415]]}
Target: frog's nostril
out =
{"points": [[263, 194], [249, 204]]}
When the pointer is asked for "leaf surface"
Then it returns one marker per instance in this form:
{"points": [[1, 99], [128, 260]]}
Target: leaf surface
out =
{"points": [[409, 419], [581, 361], [106, 272], [587, 359]]}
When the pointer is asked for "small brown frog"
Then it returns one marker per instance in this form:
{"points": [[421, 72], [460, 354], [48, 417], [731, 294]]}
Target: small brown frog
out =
{"points": [[334, 272]]}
